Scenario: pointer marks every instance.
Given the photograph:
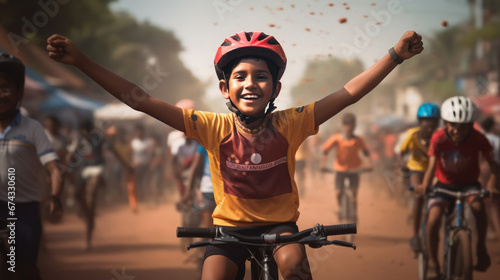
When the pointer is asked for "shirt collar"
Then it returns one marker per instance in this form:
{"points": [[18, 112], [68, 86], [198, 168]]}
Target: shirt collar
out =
{"points": [[15, 121]]}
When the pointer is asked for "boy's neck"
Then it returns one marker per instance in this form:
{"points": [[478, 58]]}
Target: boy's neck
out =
{"points": [[348, 135], [253, 127]]}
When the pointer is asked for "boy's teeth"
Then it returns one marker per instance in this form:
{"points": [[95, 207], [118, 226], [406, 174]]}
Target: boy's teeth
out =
{"points": [[250, 97]]}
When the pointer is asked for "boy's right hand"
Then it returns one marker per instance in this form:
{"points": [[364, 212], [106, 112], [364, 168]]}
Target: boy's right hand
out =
{"points": [[61, 49]]}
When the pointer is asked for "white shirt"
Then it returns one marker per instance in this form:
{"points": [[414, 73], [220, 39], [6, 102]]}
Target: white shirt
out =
{"points": [[141, 150], [24, 149]]}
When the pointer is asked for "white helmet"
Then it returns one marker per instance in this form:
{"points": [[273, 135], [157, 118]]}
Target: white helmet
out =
{"points": [[459, 109]]}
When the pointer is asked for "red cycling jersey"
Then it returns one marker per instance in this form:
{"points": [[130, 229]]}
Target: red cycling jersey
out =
{"points": [[458, 164]]}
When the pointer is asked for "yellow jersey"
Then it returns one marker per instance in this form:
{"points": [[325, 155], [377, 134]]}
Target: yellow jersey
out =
{"points": [[417, 149], [253, 170]]}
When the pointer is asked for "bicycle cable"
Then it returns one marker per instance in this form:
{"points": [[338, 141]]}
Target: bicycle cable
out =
{"points": [[257, 262]]}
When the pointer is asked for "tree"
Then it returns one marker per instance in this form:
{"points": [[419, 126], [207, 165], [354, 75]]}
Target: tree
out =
{"points": [[140, 52], [439, 66]]}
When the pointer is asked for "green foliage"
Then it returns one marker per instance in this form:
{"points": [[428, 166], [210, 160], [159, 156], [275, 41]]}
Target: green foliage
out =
{"points": [[489, 32], [436, 69], [30, 19], [129, 48]]}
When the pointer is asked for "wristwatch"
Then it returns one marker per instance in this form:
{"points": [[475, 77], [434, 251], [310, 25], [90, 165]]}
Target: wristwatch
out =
{"points": [[395, 56]]}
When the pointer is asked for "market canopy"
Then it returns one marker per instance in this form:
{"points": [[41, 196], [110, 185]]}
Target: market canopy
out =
{"points": [[118, 111], [60, 99]]}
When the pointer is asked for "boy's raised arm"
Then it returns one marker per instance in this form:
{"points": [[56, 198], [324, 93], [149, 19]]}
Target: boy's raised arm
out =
{"points": [[61, 49], [408, 46]]}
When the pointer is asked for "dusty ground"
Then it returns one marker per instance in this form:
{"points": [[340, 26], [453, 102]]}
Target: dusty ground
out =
{"points": [[143, 246]]}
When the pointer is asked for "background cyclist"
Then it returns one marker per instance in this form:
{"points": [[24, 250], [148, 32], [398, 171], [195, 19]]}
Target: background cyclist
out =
{"points": [[454, 159], [414, 147], [348, 148]]}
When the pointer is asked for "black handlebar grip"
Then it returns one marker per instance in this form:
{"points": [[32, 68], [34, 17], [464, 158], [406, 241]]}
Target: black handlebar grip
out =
{"points": [[341, 229], [196, 232]]}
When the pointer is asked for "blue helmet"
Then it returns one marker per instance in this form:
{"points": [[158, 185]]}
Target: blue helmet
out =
{"points": [[428, 110]]}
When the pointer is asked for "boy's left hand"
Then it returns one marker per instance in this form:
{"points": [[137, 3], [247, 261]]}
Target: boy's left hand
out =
{"points": [[55, 209], [409, 45]]}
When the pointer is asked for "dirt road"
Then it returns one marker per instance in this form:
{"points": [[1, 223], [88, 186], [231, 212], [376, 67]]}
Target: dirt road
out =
{"points": [[143, 246]]}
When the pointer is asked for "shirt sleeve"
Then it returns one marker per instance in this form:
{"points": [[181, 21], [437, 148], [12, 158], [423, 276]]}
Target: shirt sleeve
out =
{"points": [[405, 143], [206, 127], [296, 124], [433, 144], [328, 145], [362, 145], [485, 147], [42, 144]]}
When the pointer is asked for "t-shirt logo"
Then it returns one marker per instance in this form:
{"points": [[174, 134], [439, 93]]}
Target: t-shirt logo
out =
{"points": [[453, 161], [255, 167]]}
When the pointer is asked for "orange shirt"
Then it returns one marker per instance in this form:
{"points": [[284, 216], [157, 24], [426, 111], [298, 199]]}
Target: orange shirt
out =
{"points": [[347, 157]]}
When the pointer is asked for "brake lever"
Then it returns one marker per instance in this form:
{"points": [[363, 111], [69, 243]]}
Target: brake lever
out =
{"points": [[318, 243], [198, 244], [343, 244]]}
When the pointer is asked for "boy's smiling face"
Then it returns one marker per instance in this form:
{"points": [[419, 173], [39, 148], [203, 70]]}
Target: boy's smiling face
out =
{"points": [[458, 131], [427, 127], [250, 86]]}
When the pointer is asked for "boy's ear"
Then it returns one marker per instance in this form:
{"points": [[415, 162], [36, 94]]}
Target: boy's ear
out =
{"points": [[224, 88], [277, 90]]}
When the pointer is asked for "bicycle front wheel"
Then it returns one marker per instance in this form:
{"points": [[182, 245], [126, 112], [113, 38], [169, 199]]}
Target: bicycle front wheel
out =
{"points": [[460, 254]]}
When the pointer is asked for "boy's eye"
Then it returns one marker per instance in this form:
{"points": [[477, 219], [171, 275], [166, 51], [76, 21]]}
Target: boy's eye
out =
{"points": [[5, 90], [239, 77]]}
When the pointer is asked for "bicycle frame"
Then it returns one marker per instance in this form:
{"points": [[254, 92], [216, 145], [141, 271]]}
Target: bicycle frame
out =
{"points": [[263, 266], [451, 230]]}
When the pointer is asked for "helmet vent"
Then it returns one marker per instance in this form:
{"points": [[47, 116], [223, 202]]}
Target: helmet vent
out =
{"points": [[249, 35], [262, 36], [236, 37], [273, 41], [226, 43]]}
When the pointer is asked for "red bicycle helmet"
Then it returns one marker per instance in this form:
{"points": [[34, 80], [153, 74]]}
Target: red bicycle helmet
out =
{"points": [[249, 44]]}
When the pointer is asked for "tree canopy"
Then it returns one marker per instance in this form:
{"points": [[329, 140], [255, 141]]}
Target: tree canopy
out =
{"points": [[138, 51]]}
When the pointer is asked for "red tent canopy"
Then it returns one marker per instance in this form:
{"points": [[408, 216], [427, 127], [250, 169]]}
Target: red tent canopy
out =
{"points": [[488, 104]]}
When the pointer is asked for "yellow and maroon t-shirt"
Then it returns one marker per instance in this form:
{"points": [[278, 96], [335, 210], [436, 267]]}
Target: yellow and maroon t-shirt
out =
{"points": [[253, 170]]}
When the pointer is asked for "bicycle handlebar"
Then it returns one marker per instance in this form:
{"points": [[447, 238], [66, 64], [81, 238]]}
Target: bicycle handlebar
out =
{"points": [[456, 194], [356, 171], [459, 194], [219, 232], [196, 232]]}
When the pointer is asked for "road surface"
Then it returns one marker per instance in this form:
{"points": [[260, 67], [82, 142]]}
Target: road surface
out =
{"points": [[143, 246]]}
